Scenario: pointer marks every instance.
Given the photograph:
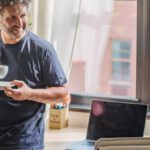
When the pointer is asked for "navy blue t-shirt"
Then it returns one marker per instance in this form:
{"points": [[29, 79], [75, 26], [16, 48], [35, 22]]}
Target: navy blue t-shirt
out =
{"points": [[34, 61]]}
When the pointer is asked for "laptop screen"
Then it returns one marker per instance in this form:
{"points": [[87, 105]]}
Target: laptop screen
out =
{"points": [[116, 119]]}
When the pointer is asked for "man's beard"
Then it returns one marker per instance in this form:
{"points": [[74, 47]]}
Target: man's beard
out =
{"points": [[12, 33]]}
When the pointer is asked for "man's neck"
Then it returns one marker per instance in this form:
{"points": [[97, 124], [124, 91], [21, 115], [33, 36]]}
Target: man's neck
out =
{"points": [[10, 40]]}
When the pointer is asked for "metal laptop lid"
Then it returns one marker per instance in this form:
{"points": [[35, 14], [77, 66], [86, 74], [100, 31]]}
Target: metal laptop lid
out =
{"points": [[116, 119]]}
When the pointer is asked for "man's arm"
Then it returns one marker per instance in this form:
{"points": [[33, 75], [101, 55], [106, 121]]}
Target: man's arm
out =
{"points": [[48, 95]]}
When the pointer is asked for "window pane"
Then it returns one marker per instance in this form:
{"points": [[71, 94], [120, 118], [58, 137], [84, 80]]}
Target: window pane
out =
{"points": [[121, 49], [104, 60], [121, 71]]}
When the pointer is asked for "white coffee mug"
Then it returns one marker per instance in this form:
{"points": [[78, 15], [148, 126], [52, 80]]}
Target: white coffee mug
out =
{"points": [[3, 71]]}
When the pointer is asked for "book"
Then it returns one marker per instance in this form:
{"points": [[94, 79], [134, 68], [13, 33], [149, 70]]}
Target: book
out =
{"points": [[131, 143]]}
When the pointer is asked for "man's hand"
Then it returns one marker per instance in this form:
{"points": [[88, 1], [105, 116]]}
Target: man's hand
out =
{"points": [[66, 100], [21, 93]]}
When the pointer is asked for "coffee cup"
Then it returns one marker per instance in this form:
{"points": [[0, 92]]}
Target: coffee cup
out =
{"points": [[3, 71]]}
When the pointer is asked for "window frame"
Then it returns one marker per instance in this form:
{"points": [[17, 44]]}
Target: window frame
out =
{"points": [[81, 102], [143, 51]]}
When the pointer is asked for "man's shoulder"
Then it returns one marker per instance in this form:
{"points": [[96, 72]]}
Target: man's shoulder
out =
{"points": [[37, 39], [38, 44]]}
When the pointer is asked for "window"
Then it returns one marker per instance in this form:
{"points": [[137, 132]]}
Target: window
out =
{"points": [[143, 52], [121, 51], [104, 60], [110, 41], [120, 70]]}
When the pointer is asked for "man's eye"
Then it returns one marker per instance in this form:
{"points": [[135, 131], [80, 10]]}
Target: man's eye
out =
{"points": [[23, 16]]}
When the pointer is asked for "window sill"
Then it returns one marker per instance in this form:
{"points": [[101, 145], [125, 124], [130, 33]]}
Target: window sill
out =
{"points": [[82, 102], [79, 107]]}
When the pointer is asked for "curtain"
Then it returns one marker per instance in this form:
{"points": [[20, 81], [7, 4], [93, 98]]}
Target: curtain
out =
{"points": [[56, 21], [64, 28], [42, 12], [66, 25], [92, 35]]}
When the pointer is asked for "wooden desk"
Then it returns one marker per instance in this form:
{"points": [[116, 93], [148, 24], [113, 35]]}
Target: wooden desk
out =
{"points": [[59, 139]]}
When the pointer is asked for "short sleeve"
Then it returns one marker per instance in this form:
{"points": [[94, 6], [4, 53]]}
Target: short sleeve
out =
{"points": [[53, 74]]}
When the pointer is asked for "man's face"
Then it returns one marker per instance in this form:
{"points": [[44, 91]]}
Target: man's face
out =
{"points": [[14, 20]]}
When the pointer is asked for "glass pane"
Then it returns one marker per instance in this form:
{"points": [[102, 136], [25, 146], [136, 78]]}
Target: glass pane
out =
{"points": [[104, 60], [121, 71], [121, 49]]}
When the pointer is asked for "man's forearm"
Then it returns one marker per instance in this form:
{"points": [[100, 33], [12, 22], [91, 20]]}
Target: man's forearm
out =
{"points": [[49, 95]]}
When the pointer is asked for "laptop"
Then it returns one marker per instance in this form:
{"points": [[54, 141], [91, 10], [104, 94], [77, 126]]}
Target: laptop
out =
{"points": [[109, 119]]}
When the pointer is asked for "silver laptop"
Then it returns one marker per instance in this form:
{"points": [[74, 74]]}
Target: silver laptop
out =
{"points": [[112, 119]]}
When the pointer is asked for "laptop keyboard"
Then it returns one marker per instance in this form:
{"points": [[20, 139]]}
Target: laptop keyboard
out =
{"points": [[89, 143], [81, 145]]}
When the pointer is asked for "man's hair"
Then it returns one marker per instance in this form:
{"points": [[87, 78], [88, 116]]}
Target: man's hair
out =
{"points": [[5, 3]]}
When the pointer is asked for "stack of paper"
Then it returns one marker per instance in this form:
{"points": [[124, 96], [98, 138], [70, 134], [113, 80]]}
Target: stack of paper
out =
{"points": [[131, 143]]}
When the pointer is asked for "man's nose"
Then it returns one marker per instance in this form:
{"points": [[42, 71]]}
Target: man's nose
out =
{"points": [[18, 21]]}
